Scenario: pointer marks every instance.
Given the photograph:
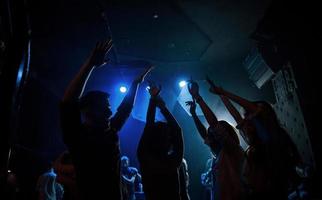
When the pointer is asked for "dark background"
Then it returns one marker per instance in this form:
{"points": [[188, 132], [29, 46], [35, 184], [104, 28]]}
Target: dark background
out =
{"points": [[181, 38]]}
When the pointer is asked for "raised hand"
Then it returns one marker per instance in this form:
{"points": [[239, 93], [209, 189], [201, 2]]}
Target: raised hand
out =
{"points": [[192, 105], [98, 53], [154, 90], [193, 88], [213, 88], [141, 77]]}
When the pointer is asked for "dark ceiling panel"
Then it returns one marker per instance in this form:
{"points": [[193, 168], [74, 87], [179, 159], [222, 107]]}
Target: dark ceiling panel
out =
{"points": [[156, 31]]}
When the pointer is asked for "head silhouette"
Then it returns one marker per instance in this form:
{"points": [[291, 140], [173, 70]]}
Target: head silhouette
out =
{"points": [[95, 108], [215, 135], [125, 162]]}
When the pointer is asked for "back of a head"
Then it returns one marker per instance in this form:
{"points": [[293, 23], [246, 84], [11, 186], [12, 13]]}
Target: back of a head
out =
{"points": [[268, 114], [93, 98], [159, 137], [229, 129]]}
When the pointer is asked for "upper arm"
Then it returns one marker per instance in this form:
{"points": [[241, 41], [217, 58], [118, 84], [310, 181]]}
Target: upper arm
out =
{"points": [[150, 116], [120, 117]]}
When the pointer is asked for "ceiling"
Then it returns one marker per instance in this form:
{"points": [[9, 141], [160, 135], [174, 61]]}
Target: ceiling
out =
{"points": [[181, 38]]}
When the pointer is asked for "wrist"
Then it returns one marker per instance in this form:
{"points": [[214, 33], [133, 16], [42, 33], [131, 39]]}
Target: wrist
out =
{"points": [[198, 98]]}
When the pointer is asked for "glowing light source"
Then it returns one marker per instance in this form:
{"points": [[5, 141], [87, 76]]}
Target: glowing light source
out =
{"points": [[147, 88], [182, 83], [123, 89]]}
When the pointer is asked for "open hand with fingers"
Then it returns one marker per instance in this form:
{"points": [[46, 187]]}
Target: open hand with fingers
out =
{"points": [[98, 53], [192, 105]]}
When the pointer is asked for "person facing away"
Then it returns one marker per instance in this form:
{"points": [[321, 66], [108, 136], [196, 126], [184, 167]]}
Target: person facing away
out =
{"points": [[184, 180], [271, 156], [91, 133], [160, 152], [130, 179], [224, 144]]}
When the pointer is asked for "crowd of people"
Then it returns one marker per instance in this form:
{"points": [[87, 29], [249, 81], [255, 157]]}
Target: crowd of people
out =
{"points": [[263, 171]]}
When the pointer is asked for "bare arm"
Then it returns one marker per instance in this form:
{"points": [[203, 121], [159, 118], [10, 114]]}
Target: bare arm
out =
{"points": [[232, 110], [150, 116], [246, 104], [127, 180], [166, 113], [176, 154], [125, 108], [77, 85], [210, 116], [200, 127]]}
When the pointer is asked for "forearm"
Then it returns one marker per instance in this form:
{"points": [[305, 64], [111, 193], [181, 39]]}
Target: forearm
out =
{"points": [[232, 110], [124, 109], [127, 180], [169, 117], [209, 115], [77, 85], [128, 101], [246, 104], [150, 116], [200, 127]]}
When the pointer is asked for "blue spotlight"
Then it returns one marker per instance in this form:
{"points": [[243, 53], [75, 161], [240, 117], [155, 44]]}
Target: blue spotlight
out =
{"points": [[182, 83], [123, 89]]}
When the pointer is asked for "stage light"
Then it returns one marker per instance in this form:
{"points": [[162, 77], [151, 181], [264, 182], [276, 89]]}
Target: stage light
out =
{"points": [[182, 83], [147, 88], [123, 89]]}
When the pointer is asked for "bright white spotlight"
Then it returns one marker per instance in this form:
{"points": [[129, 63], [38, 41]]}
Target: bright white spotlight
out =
{"points": [[123, 89], [147, 88], [182, 83]]}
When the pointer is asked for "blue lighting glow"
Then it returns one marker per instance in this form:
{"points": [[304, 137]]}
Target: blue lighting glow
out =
{"points": [[123, 89], [182, 83]]}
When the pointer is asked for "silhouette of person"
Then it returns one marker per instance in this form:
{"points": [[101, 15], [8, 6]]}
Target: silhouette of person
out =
{"points": [[160, 152], [90, 131], [224, 144]]}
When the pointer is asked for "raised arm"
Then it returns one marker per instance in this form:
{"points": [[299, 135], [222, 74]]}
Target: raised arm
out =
{"points": [[246, 104], [209, 115], [201, 128], [232, 110], [175, 155], [150, 116], [154, 92], [96, 58], [125, 108], [166, 113]]}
